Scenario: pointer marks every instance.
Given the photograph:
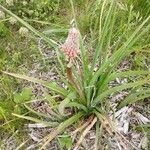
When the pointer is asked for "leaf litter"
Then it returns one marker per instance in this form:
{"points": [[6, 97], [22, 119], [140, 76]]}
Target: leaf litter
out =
{"points": [[123, 119]]}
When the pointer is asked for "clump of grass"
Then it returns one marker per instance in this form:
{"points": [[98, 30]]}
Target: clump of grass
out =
{"points": [[87, 91]]}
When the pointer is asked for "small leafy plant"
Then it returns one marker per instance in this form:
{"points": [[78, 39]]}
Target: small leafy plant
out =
{"points": [[87, 89]]}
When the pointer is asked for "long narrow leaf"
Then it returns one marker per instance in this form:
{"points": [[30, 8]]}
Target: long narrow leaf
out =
{"points": [[96, 145], [63, 103], [46, 124], [103, 33], [121, 75], [119, 54], [124, 50], [40, 114], [79, 106], [61, 128], [128, 73], [53, 86], [132, 98], [119, 88]]}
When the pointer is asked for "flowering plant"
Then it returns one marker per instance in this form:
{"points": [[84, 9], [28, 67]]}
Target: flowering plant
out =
{"points": [[87, 86]]}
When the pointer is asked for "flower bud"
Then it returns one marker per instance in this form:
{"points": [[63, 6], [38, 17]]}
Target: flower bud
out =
{"points": [[71, 45]]}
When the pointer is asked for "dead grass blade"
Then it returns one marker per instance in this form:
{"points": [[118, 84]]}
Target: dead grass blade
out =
{"points": [[82, 126], [60, 129], [85, 133]]}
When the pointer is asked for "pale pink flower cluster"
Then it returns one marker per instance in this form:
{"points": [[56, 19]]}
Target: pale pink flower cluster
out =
{"points": [[71, 45]]}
